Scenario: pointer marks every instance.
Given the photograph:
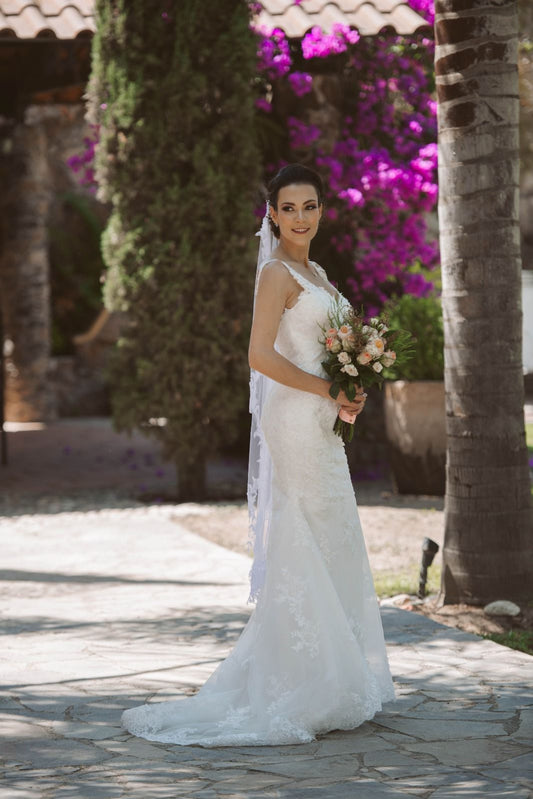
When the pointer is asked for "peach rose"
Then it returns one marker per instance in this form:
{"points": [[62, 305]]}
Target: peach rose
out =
{"points": [[364, 357]]}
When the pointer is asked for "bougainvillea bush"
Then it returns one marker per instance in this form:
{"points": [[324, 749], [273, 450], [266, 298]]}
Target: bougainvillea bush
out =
{"points": [[376, 150]]}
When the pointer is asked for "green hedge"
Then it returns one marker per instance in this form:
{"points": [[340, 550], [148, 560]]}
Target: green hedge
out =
{"points": [[178, 161]]}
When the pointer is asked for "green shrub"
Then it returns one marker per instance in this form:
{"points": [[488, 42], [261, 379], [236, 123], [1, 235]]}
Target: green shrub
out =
{"points": [[178, 161], [422, 317]]}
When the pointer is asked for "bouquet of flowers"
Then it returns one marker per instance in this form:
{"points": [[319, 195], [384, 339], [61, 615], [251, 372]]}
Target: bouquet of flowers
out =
{"points": [[358, 353]]}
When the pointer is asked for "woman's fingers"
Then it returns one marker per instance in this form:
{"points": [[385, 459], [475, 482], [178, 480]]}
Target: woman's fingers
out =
{"points": [[353, 408], [356, 405]]}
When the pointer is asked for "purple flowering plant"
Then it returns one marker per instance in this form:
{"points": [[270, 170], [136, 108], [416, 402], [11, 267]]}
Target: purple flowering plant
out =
{"points": [[83, 164], [381, 169]]}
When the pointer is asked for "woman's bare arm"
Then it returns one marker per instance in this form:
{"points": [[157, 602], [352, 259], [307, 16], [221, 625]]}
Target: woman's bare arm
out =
{"points": [[272, 293]]}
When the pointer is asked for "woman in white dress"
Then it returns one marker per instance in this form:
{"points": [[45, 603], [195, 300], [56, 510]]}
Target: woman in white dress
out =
{"points": [[312, 656]]}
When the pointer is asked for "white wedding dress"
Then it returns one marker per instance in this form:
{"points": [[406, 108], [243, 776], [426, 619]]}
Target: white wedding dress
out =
{"points": [[312, 656]]}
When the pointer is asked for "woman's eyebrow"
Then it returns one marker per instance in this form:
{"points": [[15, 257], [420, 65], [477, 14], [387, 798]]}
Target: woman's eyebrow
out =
{"points": [[286, 202]]}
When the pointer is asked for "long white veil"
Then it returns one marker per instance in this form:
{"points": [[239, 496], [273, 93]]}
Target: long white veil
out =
{"points": [[259, 490]]}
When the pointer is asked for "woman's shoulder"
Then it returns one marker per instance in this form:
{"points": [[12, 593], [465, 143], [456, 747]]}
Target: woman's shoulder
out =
{"points": [[275, 273], [276, 266]]}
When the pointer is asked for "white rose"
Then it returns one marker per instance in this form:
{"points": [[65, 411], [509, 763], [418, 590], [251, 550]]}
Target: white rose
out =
{"points": [[344, 330], [388, 358], [343, 357], [374, 321], [336, 346], [377, 367], [376, 347], [350, 370]]}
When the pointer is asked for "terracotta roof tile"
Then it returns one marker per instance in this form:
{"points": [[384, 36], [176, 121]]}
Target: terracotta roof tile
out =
{"points": [[62, 19], [13, 6], [67, 19], [368, 16]]}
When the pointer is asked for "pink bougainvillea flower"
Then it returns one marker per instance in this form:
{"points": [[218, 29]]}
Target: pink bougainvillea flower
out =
{"points": [[301, 83], [263, 104]]}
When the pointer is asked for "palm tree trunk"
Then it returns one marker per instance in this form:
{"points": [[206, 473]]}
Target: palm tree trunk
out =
{"points": [[488, 545]]}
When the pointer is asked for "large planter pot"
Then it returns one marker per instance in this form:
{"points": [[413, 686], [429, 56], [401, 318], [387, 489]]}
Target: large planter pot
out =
{"points": [[415, 421]]}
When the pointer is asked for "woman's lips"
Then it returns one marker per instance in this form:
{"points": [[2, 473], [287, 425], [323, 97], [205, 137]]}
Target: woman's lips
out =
{"points": [[301, 231]]}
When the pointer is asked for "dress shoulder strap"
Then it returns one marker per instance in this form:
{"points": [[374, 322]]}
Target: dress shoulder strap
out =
{"points": [[322, 272], [300, 279]]}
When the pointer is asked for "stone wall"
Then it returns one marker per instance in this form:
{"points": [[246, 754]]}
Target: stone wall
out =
{"points": [[78, 389], [34, 171]]}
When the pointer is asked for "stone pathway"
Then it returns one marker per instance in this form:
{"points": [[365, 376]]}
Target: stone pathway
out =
{"points": [[107, 609]]}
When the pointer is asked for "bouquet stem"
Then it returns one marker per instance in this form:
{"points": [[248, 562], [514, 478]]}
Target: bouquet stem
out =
{"points": [[343, 429]]}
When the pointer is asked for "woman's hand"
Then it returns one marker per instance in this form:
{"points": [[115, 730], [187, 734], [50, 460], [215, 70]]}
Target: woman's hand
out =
{"points": [[352, 406]]}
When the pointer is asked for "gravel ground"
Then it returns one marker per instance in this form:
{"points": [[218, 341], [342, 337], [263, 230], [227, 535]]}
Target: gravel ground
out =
{"points": [[393, 535]]}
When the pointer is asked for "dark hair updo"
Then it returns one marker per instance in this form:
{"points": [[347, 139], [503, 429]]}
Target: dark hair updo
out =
{"points": [[290, 175]]}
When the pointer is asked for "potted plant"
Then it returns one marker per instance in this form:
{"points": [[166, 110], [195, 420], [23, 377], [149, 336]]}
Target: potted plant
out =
{"points": [[414, 406]]}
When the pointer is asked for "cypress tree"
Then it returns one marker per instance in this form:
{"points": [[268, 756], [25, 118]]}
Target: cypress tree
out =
{"points": [[172, 92]]}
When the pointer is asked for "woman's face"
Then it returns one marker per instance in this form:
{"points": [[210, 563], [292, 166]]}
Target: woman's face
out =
{"points": [[298, 213]]}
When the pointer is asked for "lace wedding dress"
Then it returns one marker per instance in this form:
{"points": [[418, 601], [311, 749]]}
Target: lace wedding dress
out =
{"points": [[312, 656]]}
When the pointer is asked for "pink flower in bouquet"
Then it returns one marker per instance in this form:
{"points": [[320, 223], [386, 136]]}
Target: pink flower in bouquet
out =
{"points": [[332, 332], [335, 345], [364, 357]]}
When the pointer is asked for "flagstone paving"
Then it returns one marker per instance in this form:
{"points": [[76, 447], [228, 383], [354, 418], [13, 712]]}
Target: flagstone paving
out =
{"points": [[103, 610]]}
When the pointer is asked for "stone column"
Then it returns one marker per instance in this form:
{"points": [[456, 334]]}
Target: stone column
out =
{"points": [[24, 274]]}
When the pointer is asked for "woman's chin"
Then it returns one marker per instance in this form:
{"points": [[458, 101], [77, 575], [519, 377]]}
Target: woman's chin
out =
{"points": [[299, 239]]}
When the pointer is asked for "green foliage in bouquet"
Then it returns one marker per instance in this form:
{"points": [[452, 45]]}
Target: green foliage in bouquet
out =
{"points": [[422, 316], [171, 92]]}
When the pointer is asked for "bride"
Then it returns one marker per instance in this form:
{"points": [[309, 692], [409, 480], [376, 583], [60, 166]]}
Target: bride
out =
{"points": [[312, 656]]}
